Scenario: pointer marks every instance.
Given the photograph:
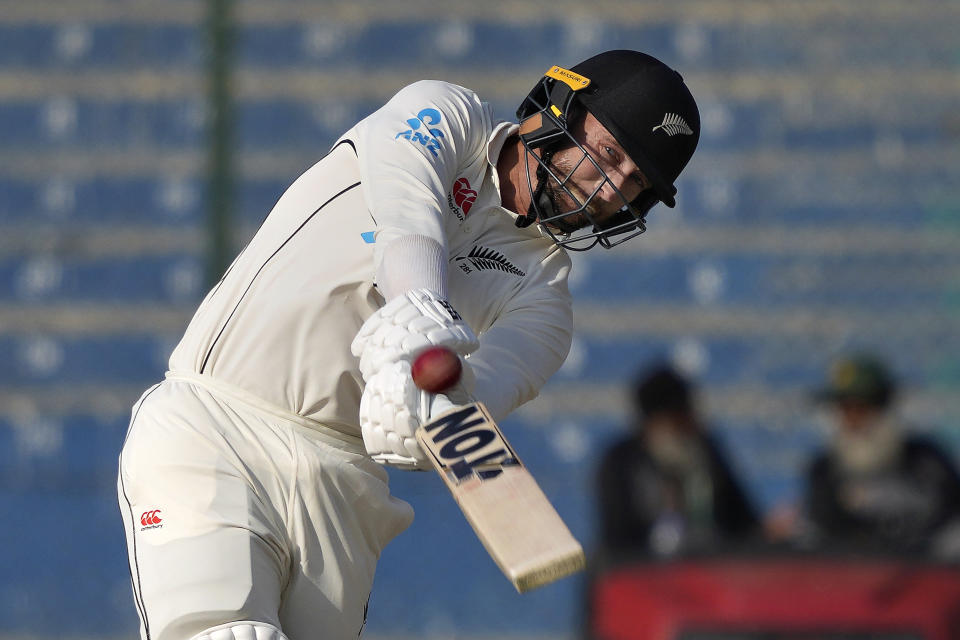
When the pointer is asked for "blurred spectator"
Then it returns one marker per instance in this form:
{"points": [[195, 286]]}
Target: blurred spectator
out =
{"points": [[666, 488], [876, 485]]}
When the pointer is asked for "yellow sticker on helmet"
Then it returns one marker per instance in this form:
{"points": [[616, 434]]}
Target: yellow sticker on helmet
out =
{"points": [[573, 80]]}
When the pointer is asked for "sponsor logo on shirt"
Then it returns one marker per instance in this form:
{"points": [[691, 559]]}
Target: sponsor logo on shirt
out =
{"points": [[482, 258], [151, 520], [461, 198], [463, 195], [421, 131]]}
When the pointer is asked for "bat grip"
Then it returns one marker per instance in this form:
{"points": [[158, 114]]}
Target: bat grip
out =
{"points": [[427, 405]]}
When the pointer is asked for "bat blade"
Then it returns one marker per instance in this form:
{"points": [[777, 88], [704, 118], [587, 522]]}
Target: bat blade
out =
{"points": [[509, 512]]}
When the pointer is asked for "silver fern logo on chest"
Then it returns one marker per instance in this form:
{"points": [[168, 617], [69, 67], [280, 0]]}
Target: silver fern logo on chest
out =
{"points": [[481, 258], [674, 125]]}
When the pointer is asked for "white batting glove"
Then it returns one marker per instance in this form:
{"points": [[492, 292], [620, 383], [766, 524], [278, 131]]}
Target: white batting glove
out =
{"points": [[392, 408], [407, 325]]}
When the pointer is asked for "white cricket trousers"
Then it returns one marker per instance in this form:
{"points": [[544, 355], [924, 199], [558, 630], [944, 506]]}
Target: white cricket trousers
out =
{"points": [[236, 510]]}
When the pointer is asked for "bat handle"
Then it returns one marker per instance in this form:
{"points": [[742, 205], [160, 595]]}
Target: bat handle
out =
{"points": [[426, 402], [427, 405]]}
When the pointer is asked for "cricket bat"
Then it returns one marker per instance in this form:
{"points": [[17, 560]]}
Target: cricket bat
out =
{"points": [[500, 499]]}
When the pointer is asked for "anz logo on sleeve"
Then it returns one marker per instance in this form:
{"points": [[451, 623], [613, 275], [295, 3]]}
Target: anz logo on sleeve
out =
{"points": [[421, 130]]}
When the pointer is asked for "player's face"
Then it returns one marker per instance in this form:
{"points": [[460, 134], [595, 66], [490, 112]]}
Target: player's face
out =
{"points": [[614, 171], [857, 416]]}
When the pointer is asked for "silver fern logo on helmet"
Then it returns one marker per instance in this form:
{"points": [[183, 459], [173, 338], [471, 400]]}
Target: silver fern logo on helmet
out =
{"points": [[674, 125]]}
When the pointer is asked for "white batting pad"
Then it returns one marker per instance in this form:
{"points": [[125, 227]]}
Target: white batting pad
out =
{"points": [[244, 630]]}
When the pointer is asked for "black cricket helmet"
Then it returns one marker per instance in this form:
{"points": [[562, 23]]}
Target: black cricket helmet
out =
{"points": [[647, 108]]}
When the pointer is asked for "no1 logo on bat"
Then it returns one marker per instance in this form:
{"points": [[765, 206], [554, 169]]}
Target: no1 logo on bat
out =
{"points": [[467, 443]]}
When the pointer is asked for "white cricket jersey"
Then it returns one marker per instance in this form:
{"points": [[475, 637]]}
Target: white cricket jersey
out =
{"points": [[280, 322]]}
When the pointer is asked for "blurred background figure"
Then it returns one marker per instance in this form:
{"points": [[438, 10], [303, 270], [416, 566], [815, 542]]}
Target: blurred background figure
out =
{"points": [[878, 485], [667, 488]]}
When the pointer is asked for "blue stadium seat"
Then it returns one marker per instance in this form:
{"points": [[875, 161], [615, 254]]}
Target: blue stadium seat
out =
{"points": [[68, 453], [876, 196], [104, 360], [729, 125], [430, 43], [775, 360], [889, 282], [16, 198], [106, 46], [289, 45], [255, 198], [177, 278], [290, 125], [117, 201], [69, 574], [95, 125]]}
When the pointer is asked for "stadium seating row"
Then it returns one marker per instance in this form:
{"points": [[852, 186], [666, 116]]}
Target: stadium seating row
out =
{"points": [[77, 453], [891, 282], [72, 44], [102, 200], [287, 123], [95, 125], [109, 359], [781, 362], [177, 278], [714, 192], [425, 41], [882, 282]]}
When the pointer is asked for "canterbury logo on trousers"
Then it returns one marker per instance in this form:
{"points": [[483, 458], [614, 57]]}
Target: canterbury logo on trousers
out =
{"points": [[150, 518]]}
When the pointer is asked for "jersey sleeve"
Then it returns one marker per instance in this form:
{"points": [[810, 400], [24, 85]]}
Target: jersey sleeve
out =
{"points": [[411, 149], [527, 343]]}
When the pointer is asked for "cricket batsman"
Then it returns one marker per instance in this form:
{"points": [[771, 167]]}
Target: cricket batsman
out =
{"points": [[251, 482]]}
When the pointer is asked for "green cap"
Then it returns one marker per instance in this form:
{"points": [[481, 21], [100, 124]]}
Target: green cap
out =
{"points": [[858, 377]]}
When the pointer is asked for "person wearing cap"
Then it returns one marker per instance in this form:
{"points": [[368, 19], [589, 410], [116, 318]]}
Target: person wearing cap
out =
{"points": [[667, 488], [878, 485], [251, 482]]}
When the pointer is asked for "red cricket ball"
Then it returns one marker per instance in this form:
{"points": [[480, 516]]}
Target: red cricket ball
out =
{"points": [[436, 369]]}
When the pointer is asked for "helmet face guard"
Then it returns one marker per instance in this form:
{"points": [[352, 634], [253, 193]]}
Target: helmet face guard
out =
{"points": [[646, 107], [545, 119]]}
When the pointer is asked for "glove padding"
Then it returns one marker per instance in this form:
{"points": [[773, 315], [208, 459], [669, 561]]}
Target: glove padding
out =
{"points": [[407, 325], [392, 408]]}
